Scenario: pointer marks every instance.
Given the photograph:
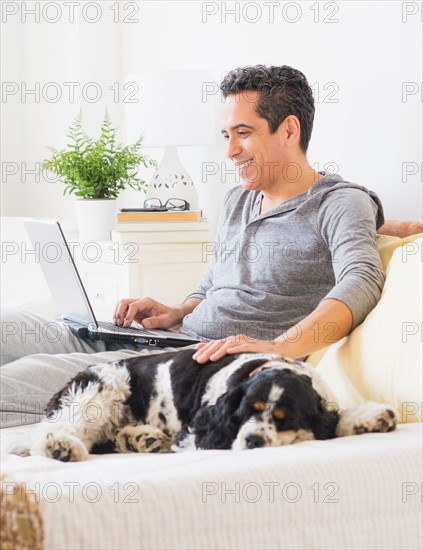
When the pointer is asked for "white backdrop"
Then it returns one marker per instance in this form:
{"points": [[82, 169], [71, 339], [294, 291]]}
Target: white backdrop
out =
{"points": [[364, 60]]}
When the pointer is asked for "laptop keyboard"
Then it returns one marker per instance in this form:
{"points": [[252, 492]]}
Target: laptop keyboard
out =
{"points": [[121, 330]]}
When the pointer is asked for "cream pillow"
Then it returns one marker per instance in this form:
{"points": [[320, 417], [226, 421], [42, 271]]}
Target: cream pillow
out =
{"points": [[381, 360]]}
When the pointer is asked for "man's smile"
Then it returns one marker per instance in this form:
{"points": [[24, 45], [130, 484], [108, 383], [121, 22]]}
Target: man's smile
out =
{"points": [[244, 164]]}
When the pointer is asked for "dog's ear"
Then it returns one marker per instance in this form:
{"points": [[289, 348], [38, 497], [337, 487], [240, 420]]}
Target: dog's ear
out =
{"points": [[230, 404], [216, 426], [325, 420]]}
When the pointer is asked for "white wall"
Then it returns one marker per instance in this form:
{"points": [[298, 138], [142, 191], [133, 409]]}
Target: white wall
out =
{"points": [[366, 58]]}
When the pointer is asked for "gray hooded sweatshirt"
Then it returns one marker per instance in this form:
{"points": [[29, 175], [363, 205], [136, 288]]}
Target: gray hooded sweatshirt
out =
{"points": [[267, 272]]}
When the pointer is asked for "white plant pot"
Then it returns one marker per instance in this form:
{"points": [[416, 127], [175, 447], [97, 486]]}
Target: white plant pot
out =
{"points": [[95, 218]]}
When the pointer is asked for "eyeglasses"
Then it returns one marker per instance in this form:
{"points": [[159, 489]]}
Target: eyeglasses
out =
{"points": [[170, 204]]}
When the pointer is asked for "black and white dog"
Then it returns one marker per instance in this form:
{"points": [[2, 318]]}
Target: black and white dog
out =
{"points": [[168, 401]]}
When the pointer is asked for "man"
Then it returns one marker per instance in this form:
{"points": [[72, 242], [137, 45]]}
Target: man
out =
{"points": [[296, 265], [316, 272]]}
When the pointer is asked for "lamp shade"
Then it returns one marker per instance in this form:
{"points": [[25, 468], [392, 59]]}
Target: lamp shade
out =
{"points": [[171, 109]]}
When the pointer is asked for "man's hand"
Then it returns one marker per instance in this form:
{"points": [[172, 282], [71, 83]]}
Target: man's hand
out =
{"points": [[152, 314], [216, 349], [148, 312]]}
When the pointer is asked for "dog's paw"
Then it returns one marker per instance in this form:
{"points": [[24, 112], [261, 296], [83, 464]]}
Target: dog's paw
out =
{"points": [[381, 419], [368, 418], [63, 447], [142, 439]]}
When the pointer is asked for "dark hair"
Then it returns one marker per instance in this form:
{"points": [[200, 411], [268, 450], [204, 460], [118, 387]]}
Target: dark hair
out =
{"points": [[283, 91]]}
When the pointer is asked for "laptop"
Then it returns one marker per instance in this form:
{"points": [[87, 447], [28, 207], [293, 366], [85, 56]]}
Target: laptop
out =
{"points": [[71, 299]]}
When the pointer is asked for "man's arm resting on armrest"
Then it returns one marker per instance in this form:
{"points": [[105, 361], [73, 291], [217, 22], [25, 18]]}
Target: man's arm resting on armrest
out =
{"points": [[328, 323]]}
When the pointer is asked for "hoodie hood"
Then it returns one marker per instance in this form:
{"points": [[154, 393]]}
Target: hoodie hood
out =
{"points": [[332, 182]]}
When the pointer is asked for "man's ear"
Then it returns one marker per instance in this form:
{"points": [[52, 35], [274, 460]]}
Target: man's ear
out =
{"points": [[291, 131]]}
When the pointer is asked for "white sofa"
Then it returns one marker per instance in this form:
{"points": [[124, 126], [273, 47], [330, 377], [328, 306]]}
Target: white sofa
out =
{"points": [[359, 492]]}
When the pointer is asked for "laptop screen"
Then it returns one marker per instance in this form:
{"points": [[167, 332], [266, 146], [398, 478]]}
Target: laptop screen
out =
{"points": [[60, 271]]}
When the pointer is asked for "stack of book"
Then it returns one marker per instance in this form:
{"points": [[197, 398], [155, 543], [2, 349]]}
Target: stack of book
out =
{"points": [[168, 216], [161, 227]]}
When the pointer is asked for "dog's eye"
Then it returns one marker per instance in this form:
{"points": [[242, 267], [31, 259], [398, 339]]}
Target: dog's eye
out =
{"points": [[279, 413], [259, 406]]}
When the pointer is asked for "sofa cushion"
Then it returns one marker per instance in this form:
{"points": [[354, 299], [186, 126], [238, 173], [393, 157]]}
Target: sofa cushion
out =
{"points": [[381, 360]]}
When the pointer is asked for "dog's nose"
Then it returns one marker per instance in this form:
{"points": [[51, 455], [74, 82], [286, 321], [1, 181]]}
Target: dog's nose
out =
{"points": [[254, 441]]}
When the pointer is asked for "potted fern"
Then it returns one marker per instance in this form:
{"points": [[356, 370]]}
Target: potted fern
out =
{"points": [[96, 171]]}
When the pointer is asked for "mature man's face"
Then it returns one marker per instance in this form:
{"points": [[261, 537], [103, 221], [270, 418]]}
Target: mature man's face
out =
{"points": [[259, 156]]}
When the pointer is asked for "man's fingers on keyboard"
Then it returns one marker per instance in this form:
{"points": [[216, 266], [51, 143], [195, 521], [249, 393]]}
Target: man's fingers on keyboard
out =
{"points": [[121, 311]]}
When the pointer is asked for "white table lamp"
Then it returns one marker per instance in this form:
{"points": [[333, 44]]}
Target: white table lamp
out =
{"points": [[171, 112]]}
